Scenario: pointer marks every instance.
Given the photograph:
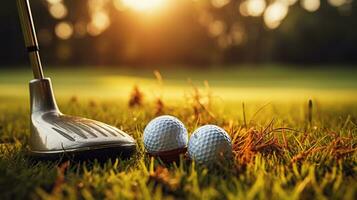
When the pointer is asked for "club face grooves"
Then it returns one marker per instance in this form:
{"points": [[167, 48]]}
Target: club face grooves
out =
{"points": [[54, 133], [69, 128], [64, 134], [97, 128], [72, 134], [67, 125]]}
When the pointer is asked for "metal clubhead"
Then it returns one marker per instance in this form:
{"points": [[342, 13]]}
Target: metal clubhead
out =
{"points": [[54, 134]]}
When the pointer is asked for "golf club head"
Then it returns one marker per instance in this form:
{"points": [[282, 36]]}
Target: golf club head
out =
{"points": [[55, 135]]}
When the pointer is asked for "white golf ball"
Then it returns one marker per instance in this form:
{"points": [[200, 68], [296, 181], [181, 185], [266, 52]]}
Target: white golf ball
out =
{"points": [[209, 144], [165, 133]]}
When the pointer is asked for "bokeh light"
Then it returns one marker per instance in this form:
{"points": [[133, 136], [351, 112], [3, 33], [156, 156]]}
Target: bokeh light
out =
{"points": [[219, 3], [337, 3], [275, 13], [99, 23], [210, 14], [64, 30], [144, 5], [243, 8], [54, 1], [97, 5], [255, 8], [58, 10], [310, 5], [99, 17], [290, 2], [216, 28]]}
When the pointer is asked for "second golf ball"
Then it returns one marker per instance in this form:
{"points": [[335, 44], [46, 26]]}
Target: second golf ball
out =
{"points": [[209, 144], [165, 133]]}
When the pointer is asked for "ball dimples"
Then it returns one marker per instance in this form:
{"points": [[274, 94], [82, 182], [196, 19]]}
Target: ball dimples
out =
{"points": [[209, 144], [165, 133]]}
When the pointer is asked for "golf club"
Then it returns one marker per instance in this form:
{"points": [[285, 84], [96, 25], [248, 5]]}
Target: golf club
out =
{"points": [[54, 134]]}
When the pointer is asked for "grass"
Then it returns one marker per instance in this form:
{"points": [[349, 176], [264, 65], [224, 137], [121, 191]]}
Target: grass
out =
{"points": [[284, 148]]}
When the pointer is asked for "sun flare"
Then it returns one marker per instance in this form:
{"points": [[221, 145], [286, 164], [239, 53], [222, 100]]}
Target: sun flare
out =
{"points": [[143, 5]]}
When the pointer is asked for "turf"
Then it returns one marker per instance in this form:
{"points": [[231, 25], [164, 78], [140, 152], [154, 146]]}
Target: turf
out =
{"points": [[284, 148]]}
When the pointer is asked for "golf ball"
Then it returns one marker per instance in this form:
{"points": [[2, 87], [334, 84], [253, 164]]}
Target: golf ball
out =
{"points": [[165, 133], [209, 144]]}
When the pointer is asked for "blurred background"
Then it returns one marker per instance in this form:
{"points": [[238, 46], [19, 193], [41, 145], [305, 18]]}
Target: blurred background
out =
{"points": [[195, 33], [164, 50]]}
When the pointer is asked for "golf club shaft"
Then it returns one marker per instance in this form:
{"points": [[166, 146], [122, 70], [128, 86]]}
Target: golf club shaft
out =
{"points": [[30, 38]]}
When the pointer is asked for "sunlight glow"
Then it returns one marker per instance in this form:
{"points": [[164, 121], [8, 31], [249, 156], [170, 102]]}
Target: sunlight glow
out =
{"points": [[143, 5]]}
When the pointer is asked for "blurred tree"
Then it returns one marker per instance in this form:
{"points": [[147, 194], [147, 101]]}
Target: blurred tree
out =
{"points": [[188, 32]]}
